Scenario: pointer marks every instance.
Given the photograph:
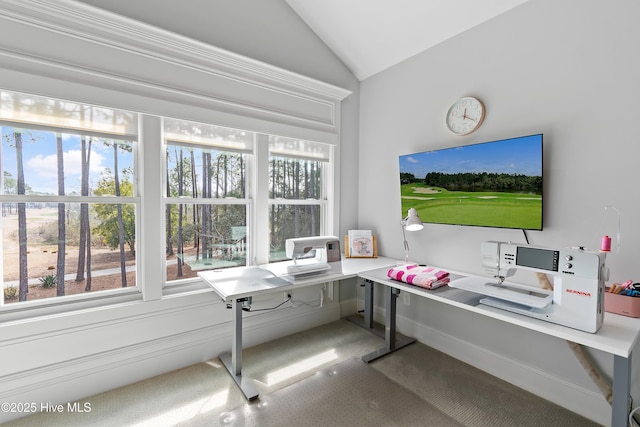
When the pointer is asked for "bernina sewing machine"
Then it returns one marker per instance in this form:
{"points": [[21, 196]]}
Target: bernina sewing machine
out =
{"points": [[577, 297], [311, 254]]}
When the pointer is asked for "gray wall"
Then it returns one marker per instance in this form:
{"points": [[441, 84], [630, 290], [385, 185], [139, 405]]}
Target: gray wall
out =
{"points": [[567, 69]]}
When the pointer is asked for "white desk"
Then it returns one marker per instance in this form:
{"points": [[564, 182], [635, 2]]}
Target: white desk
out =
{"points": [[239, 284], [617, 336]]}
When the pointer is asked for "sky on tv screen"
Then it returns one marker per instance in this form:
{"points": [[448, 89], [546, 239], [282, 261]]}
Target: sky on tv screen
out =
{"points": [[513, 156]]}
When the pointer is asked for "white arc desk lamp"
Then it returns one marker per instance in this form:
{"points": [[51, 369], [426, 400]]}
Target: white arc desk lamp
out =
{"points": [[411, 222]]}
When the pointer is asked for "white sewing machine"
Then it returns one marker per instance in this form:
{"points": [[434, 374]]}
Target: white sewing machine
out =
{"points": [[311, 254], [577, 298]]}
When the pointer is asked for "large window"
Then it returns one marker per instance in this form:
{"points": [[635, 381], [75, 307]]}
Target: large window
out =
{"points": [[69, 198], [72, 201], [214, 206]]}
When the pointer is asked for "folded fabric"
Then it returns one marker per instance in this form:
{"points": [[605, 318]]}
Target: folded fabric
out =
{"points": [[425, 277]]}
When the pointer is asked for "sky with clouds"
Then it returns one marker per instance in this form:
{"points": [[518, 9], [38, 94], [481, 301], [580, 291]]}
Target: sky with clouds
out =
{"points": [[40, 160]]}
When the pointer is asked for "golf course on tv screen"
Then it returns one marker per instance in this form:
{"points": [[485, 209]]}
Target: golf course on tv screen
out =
{"points": [[493, 184]]}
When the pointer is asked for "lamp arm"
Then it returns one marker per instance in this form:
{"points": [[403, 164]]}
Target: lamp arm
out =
{"points": [[406, 244]]}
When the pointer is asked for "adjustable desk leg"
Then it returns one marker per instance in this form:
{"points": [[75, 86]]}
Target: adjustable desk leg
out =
{"points": [[233, 361], [368, 303], [621, 391], [393, 340], [390, 318], [368, 310]]}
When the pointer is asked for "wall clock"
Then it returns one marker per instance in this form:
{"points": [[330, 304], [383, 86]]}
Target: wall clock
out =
{"points": [[465, 115]]}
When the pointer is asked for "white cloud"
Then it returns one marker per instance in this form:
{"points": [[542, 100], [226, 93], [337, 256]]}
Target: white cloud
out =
{"points": [[47, 166]]}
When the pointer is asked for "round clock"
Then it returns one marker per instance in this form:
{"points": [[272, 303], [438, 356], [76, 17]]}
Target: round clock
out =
{"points": [[465, 115]]}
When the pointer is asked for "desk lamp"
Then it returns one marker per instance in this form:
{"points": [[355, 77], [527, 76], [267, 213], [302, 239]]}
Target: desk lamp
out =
{"points": [[411, 222]]}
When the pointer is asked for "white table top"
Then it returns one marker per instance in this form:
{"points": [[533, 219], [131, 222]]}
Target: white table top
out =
{"points": [[617, 335], [241, 282]]}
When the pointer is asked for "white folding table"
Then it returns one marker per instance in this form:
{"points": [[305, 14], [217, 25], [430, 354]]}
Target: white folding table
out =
{"points": [[237, 285], [617, 336]]}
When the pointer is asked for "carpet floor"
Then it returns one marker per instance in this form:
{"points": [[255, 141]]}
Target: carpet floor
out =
{"points": [[316, 378]]}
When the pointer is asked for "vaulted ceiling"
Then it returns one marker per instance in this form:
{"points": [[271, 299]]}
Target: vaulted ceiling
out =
{"points": [[370, 36]]}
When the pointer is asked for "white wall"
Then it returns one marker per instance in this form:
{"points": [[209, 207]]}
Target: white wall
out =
{"points": [[567, 69]]}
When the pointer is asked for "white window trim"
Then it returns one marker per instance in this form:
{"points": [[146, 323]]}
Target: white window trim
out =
{"points": [[270, 100]]}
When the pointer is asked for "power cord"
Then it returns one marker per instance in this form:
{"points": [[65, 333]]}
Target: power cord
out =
{"points": [[248, 309]]}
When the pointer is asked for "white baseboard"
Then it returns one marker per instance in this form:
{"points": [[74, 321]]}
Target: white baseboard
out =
{"points": [[573, 397]]}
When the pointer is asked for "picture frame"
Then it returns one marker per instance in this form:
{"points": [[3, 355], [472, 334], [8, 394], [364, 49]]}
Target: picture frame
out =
{"points": [[360, 244]]}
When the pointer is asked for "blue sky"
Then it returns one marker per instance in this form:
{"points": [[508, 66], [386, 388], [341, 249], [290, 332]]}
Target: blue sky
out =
{"points": [[520, 155], [40, 160]]}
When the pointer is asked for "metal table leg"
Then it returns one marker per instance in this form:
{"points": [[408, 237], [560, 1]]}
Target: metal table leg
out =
{"points": [[393, 340], [621, 391], [233, 361], [368, 304], [368, 310]]}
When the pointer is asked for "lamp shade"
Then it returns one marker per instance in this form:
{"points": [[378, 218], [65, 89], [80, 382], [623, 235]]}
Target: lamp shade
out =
{"points": [[413, 221]]}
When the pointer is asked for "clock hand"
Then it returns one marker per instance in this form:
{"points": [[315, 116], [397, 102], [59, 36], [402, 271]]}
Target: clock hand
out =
{"points": [[464, 115]]}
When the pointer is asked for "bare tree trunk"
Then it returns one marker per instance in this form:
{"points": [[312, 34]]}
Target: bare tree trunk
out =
{"points": [[84, 208], [209, 208], [84, 251], [272, 237], [196, 210], [206, 191], [22, 223], [61, 220], [225, 188], [123, 265], [295, 176], [84, 245], [312, 189], [87, 287], [180, 210], [169, 249]]}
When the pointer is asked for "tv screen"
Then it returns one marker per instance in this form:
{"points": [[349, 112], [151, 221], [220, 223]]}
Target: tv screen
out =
{"points": [[492, 184]]}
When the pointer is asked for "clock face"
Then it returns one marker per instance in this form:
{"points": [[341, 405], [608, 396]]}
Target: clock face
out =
{"points": [[465, 115]]}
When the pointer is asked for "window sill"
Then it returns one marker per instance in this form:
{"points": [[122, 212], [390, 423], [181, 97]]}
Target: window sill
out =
{"points": [[30, 310]]}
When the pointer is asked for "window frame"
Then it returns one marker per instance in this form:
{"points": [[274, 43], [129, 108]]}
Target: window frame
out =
{"points": [[57, 304], [256, 199], [324, 201], [149, 148]]}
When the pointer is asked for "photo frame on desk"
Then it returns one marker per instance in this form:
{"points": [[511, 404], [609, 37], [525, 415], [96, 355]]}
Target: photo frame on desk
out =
{"points": [[371, 251]]}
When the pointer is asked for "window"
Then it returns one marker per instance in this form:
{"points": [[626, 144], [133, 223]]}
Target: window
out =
{"points": [[71, 204], [214, 204], [298, 182], [69, 198], [206, 204]]}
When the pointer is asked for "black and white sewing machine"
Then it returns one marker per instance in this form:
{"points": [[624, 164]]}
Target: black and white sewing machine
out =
{"points": [[578, 276]]}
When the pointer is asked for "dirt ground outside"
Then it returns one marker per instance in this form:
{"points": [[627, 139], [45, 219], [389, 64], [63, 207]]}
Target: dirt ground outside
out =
{"points": [[42, 260]]}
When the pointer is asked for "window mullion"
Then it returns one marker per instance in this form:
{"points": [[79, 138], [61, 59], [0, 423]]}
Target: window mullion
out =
{"points": [[151, 219], [260, 236]]}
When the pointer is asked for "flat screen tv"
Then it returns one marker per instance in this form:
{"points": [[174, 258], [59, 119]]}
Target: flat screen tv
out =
{"points": [[492, 184]]}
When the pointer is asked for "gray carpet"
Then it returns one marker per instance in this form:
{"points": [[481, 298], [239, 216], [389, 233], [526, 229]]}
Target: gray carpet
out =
{"points": [[351, 393], [316, 377], [469, 395]]}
